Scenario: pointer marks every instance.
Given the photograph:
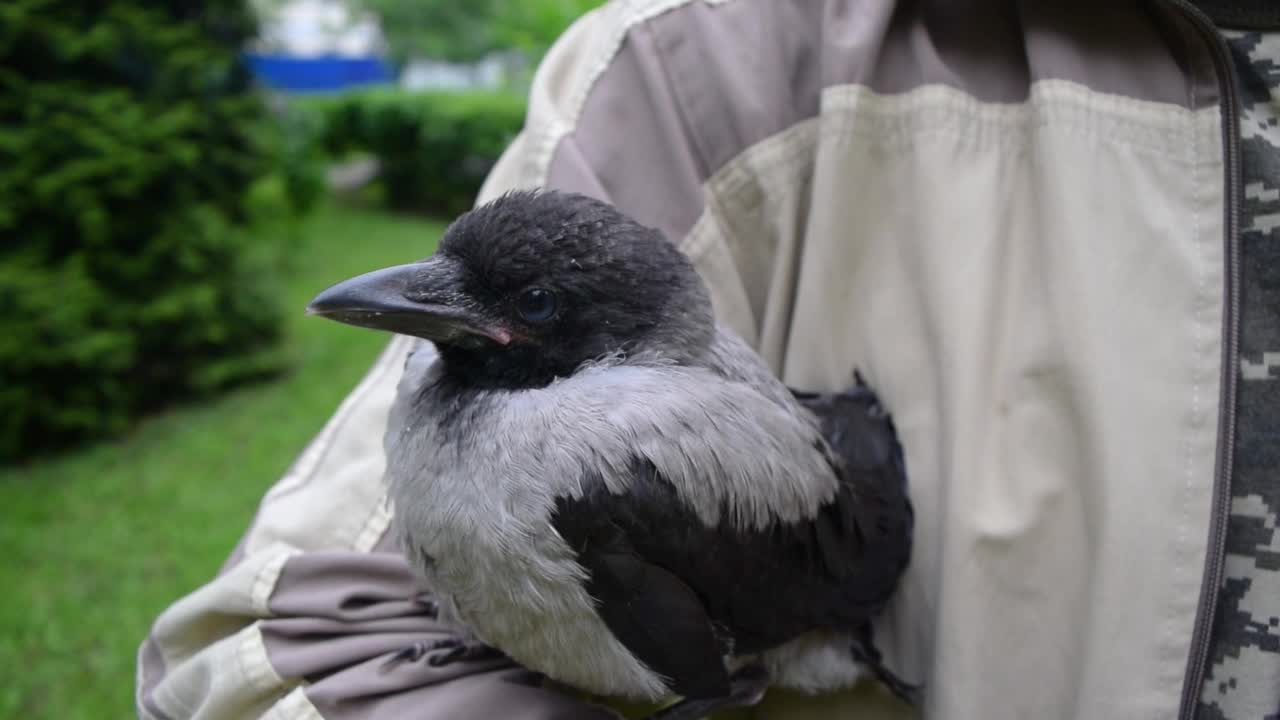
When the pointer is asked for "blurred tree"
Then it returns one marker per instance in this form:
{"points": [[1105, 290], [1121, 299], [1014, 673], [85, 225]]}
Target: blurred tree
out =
{"points": [[466, 30], [533, 26], [434, 149], [457, 30], [129, 139]]}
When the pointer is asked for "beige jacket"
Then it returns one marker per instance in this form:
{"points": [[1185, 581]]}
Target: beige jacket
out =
{"points": [[1011, 218]]}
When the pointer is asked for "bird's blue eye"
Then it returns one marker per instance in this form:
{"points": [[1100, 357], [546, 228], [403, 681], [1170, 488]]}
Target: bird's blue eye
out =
{"points": [[536, 305]]}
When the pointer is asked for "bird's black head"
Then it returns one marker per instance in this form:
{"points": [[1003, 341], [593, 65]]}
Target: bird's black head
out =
{"points": [[528, 287]]}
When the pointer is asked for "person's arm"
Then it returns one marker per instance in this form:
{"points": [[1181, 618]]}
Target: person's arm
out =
{"points": [[316, 598]]}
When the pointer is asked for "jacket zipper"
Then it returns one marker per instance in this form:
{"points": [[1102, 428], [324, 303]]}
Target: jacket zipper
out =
{"points": [[1216, 550]]}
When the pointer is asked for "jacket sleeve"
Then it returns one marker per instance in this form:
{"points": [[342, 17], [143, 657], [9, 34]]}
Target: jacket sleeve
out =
{"points": [[316, 597]]}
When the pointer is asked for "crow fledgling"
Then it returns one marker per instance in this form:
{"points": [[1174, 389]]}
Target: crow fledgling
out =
{"points": [[604, 484]]}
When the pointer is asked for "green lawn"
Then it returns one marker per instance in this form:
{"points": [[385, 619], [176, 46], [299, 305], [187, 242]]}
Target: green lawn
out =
{"points": [[98, 542]]}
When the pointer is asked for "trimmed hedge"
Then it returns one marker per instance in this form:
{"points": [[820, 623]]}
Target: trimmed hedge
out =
{"points": [[434, 149], [131, 145]]}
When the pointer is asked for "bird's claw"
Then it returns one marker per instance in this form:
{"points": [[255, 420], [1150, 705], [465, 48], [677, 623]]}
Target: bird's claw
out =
{"points": [[459, 651], [429, 604], [413, 653], [455, 650]]}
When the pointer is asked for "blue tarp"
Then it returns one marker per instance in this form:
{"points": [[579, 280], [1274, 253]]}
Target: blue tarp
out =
{"points": [[318, 74]]}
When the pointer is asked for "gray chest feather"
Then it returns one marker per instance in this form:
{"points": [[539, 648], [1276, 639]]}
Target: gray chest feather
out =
{"points": [[480, 535]]}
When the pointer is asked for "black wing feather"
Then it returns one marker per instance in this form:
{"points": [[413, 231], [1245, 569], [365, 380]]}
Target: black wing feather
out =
{"points": [[680, 594], [655, 614]]}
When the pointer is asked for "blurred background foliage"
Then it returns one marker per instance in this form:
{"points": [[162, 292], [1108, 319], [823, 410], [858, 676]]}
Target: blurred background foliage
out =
{"points": [[450, 30], [130, 137], [166, 210], [433, 149], [151, 192]]}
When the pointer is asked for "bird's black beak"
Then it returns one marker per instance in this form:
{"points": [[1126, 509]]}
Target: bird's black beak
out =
{"points": [[424, 299]]}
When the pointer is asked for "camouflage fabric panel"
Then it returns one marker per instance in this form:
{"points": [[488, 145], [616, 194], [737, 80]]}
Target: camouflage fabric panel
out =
{"points": [[1243, 679]]}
